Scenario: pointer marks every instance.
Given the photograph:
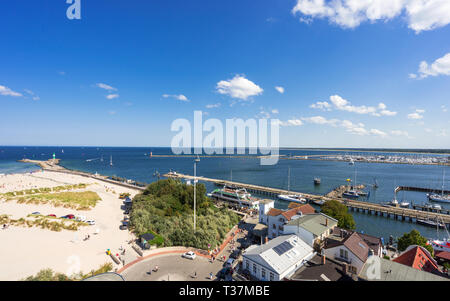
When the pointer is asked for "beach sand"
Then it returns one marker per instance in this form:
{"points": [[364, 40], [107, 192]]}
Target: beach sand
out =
{"points": [[26, 251]]}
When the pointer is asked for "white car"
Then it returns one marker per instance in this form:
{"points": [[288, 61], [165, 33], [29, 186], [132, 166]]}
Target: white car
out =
{"points": [[190, 255], [90, 222], [80, 218]]}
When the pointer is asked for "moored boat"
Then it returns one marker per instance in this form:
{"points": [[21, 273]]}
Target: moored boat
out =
{"points": [[297, 198]]}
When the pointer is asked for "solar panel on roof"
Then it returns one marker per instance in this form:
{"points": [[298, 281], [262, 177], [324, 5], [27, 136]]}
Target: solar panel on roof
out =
{"points": [[283, 248]]}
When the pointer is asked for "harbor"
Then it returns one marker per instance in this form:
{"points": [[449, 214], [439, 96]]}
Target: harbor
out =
{"points": [[402, 214]]}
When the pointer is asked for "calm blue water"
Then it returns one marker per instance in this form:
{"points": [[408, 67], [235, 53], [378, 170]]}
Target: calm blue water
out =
{"points": [[135, 163]]}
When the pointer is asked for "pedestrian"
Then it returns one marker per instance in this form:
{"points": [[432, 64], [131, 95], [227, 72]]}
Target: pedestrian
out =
{"points": [[211, 276]]}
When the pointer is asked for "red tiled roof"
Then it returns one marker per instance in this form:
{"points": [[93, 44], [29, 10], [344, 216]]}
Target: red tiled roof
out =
{"points": [[418, 258], [443, 255], [304, 209], [274, 212]]}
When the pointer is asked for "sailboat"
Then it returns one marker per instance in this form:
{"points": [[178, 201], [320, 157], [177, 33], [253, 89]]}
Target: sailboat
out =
{"points": [[441, 245], [297, 198], [110, 162], [434, 197], [351, 193]]}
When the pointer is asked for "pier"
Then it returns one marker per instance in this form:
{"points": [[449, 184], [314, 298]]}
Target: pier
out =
{"points": [[401, 214]]}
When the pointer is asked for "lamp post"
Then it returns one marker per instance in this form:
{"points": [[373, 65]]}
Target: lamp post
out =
{"points": [[195, 194]]}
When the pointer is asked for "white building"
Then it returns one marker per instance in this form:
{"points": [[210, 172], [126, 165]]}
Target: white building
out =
{"points": [[311, 228], [264, 207], [277, 218], [280, 258]]}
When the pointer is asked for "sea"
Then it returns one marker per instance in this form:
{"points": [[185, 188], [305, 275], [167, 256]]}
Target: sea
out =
{"points": [[135, 163]]}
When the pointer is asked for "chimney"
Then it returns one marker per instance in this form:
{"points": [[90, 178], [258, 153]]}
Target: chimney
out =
{"points": [[326, 222], [324, 259], [267, 240]]}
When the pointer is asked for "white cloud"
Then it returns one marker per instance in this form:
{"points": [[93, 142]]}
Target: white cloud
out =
{"points": [[322, 105], [400, 133], [106, 87], [279, 89], [31, 93], [441, 66], [179, 97], [420, 15], [112, 112], [341, 104], [444, 109], [212, 106], [275, 111], [239, 87], [353, 128], [416, 115], [112, 96], [5, 91]]}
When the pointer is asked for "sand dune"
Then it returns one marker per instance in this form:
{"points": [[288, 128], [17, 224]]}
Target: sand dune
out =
{"points": [[25, 251]]}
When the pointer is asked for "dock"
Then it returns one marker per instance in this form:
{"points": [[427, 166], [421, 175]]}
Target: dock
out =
{"points": [[401, 214]]}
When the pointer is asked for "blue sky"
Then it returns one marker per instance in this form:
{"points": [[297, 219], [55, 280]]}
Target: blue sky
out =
{"points": [[367, 76]]}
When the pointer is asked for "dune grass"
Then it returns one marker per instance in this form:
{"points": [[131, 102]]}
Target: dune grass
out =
{"points": [[44, 222], [50, 275], [43, 190], [78, 200]]}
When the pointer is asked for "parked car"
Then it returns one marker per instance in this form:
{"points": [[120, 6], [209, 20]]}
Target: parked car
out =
{"points": [[70, 216], [235, 254], [229, 263], [36, 213], [90, 222], [225, 274], [189, 255], [124, 226], [51, 215]]}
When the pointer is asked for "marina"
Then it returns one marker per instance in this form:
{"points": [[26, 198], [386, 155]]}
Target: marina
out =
{"points": [[402, 214]]}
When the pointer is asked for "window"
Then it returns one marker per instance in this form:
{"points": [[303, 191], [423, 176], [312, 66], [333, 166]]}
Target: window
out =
{"points": [[274, 226], [352, 269], [254, 269], [263, 273], [247, 265], [343, 253], [271, 277]]}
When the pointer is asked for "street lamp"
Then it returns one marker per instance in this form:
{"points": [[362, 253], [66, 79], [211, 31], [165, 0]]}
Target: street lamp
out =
{"points": [[195, 194]]}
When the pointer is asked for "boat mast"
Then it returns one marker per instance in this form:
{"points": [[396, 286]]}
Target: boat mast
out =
{"points": [[289, 179]]}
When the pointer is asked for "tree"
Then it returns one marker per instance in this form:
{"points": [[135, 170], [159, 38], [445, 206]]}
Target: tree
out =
{"points": [[414, 238], [340, 212]]}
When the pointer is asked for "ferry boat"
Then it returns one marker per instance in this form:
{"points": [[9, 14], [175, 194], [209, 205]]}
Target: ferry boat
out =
{"points": [[238, 197]]}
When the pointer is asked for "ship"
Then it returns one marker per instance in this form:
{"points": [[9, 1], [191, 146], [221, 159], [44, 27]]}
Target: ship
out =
{"points": [[351, 194], [431, 223], [440, 245], [235, 197], [441, 198], [317, 181], [297, 198]]}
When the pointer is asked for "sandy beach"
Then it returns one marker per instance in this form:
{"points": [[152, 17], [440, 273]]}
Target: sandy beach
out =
{"points": [[25, 251]]}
